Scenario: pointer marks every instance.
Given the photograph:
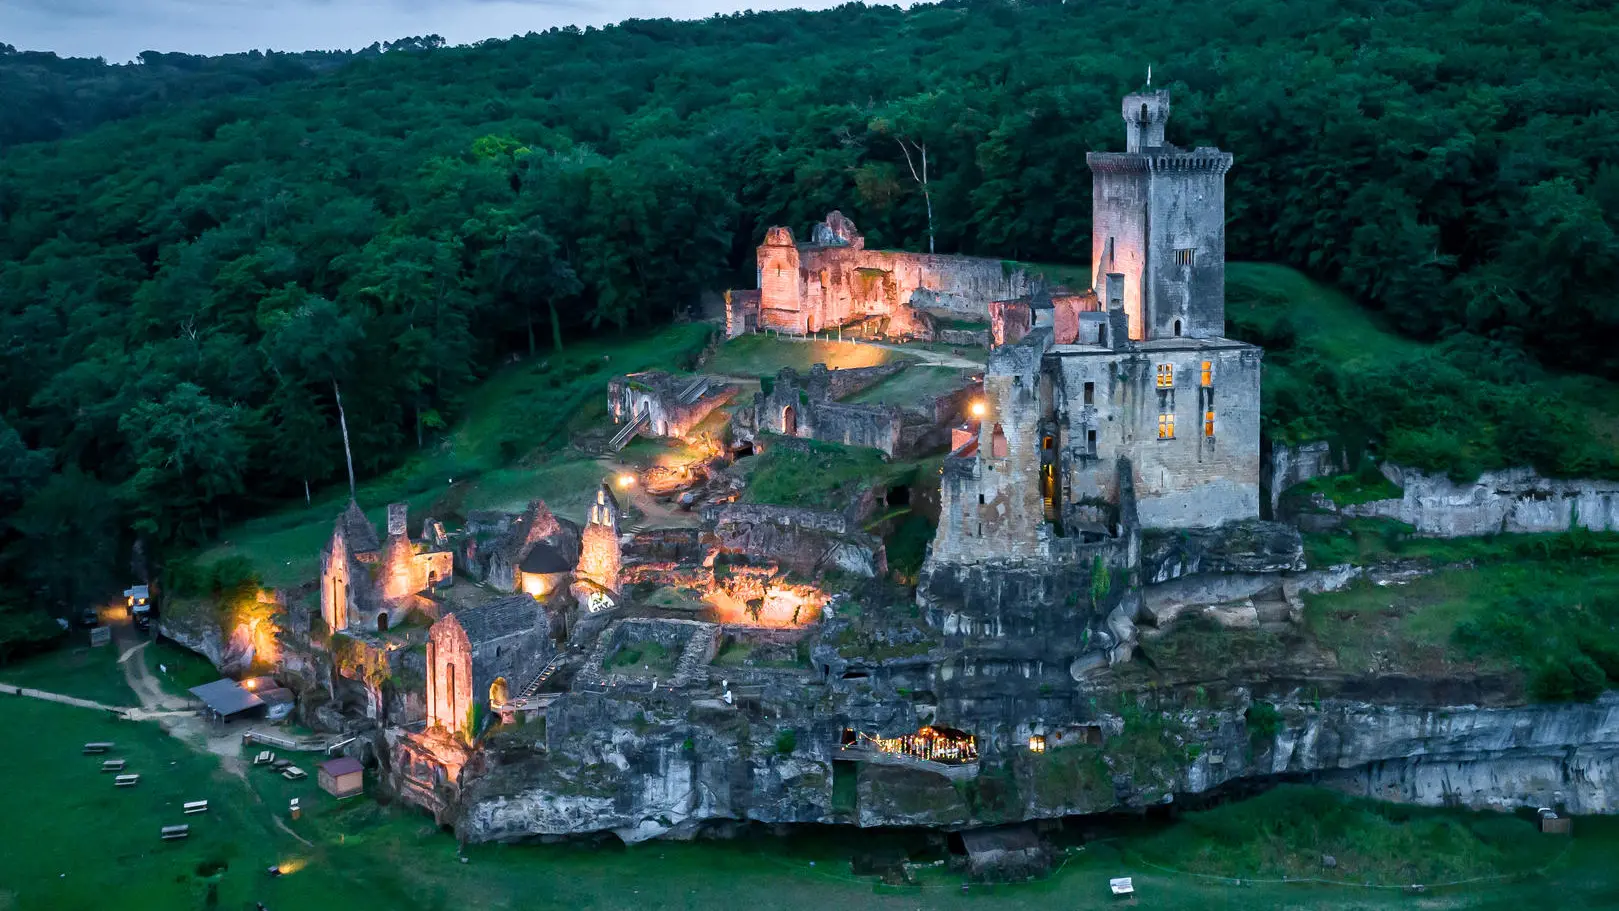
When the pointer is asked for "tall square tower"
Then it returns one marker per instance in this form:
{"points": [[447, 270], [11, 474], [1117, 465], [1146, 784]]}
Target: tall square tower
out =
{"points": [[1160, 222]]}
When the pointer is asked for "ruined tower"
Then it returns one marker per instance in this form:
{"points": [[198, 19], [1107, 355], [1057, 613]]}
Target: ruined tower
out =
{"points": [[1160, 222]]}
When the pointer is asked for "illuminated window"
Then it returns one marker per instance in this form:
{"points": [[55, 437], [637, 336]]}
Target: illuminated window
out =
{"points": [[1166, 376], [1183, 257], [1207, 378], [1166, 427], [1208, 423], [1037, 744]]}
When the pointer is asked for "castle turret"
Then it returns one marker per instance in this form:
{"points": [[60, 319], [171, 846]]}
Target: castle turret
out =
{"points": [[1145, 114]]}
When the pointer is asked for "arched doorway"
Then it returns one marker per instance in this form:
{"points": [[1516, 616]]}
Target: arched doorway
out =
{"points": [[382, 622], [789, 421], [1177, 328], [499, 692]]}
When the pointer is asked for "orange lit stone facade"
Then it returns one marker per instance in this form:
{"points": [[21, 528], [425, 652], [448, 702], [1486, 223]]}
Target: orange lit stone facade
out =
{"points": [[835, 281]]}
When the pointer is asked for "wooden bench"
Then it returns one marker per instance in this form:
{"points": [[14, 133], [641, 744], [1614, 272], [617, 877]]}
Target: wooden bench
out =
{"points": [[126, 781], [98, 747], [170, 833], [293, 773], [265, 757], [112, 765], [196, 806]]}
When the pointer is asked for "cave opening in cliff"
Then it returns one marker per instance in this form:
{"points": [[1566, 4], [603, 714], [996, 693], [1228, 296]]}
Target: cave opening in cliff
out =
{"points": [[899, 495], [743, 450], [934, 743]]}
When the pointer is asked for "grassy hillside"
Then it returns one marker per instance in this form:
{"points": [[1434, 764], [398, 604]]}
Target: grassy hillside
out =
{"points": [[510, 448], [1334, 370]]}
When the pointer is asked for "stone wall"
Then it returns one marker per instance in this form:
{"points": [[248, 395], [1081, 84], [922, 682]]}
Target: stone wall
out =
{"points": [[963, 338], [657, 395], [1289, 466], [1513, 501], [801, 540], [804, 407], [836, 281]]}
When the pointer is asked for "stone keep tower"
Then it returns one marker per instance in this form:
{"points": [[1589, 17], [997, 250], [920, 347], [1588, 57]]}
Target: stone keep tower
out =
{"points": [[1159, 220]]}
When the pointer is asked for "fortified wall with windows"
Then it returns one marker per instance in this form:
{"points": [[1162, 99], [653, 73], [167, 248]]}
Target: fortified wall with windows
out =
{"points": [[1135, 412]]}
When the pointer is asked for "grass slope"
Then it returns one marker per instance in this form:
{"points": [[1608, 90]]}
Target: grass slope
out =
{"points": [[507, 451], [1334, 371], [764, 355]]}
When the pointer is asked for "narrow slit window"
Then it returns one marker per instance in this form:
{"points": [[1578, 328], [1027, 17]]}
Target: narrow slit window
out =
{"points": [[1207, 379], [1184, 256], [1166, 376], [1166, 426], [1090, 393], [1208, 423]]}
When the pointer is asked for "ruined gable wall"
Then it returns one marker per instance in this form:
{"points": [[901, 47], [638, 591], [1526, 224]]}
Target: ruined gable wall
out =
{"points": [[599, 558], [991, 506], [335, 596], [808, 288], [873, 426], [448, 691]]}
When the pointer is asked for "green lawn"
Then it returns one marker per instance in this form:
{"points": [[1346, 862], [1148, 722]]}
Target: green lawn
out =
{"points": [[759, 355], [177, 668], [911, 385], [77, 670], [1546, 606]]}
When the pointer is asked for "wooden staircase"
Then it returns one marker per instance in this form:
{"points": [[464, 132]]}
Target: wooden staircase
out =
{"points": [[628, 431]]}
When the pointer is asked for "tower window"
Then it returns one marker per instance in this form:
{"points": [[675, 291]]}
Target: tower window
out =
{"points": [[1185, 255], [1090, 441], [1166, 376], [1090, 393], [1207, 378], [1166, 426], [1208, 423], [1046, 443], [980, 499], [1177, 328], [997, 443]]}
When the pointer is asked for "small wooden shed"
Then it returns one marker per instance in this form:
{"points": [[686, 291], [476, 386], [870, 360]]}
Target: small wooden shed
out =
{"points": [[343, 777]]}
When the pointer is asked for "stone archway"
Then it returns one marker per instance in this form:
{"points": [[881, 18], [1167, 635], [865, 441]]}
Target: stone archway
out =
{"points": [[382, 622], [789, 421]]}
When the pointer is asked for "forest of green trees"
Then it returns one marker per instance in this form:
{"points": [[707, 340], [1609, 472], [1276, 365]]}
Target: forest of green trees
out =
{"points": [[186, 290]]}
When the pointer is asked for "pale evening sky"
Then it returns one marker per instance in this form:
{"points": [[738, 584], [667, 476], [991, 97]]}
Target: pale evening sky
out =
{"points": [[120, 29]]}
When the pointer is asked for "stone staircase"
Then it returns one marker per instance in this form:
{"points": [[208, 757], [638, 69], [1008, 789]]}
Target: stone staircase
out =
{"points": [[628, 431], [546, 673], [693, 391]]}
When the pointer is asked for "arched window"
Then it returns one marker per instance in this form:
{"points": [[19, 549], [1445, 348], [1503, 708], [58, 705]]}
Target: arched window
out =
{"points": [[1143, 112], [789, 421], [1177, 328], [997, 443], [382, 622]]}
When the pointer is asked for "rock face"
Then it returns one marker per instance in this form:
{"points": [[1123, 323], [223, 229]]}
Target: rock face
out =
{"points": [[1237, 547], [1515, 501], [667, 765], [802, 540]]}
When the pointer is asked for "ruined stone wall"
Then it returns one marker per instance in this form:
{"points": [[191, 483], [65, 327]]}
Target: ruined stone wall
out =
{"points": [[991, 505], [810, 287], [802, 407], [599, 557], [449, 677], [1009, 321], [805, 541], [741, 313], [1290, 466], [963, 338], [657, 394], [1512, 501]]}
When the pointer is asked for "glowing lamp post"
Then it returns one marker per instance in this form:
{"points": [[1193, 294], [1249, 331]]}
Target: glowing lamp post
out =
{"points": [[979, 409], [626, 481]]}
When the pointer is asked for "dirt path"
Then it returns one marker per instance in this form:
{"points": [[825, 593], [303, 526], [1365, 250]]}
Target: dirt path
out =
{"points": [[174, 713]]}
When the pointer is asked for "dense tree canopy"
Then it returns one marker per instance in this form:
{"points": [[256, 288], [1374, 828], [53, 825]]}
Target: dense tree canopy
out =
{"points": [[185, 293]]}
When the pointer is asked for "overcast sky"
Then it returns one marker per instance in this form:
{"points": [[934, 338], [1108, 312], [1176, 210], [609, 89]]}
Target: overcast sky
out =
{"points": [[120, 29]]}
